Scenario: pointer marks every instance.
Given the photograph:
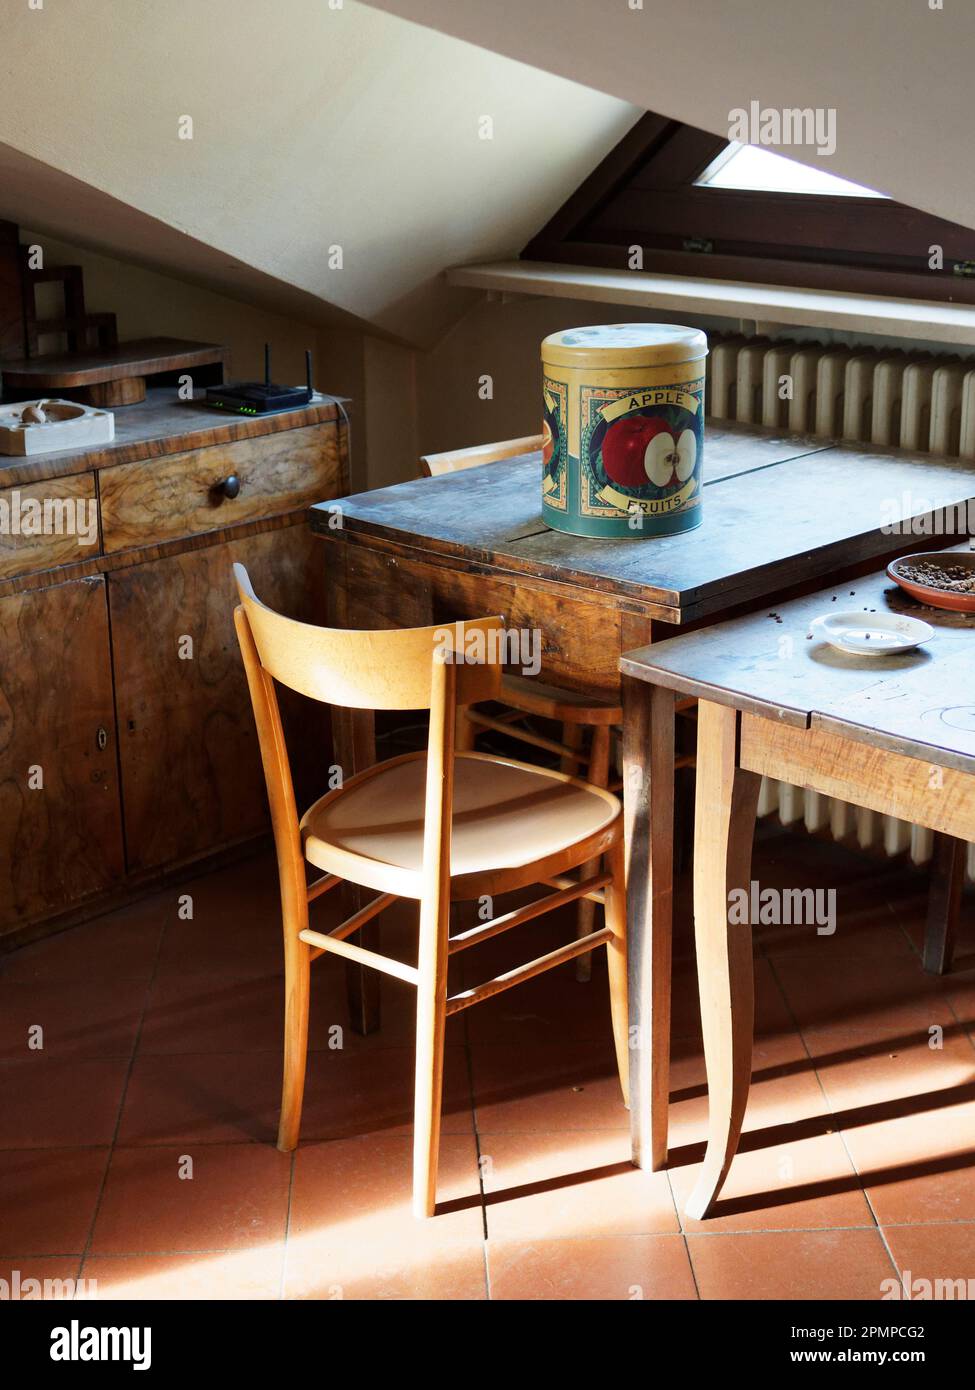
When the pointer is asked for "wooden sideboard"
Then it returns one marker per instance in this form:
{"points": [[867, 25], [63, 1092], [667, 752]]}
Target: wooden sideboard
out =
{"points": [[127, 746]]}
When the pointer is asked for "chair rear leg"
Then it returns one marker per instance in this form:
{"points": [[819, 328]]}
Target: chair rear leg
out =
{"points": [[297, 980], [598, 774], [616, 958], [465, 733], [431, 1020]]}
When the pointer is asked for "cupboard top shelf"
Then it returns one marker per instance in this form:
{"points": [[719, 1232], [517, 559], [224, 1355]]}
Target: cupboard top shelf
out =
{"points": [[161, 424]]}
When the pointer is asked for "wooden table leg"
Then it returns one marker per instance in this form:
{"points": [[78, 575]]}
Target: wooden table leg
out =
{"points": [[727, 800], [648, 797], [944, 902]]}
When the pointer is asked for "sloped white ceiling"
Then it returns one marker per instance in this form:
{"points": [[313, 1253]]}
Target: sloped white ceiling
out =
{"points": [[898, 73], [316, 123]]}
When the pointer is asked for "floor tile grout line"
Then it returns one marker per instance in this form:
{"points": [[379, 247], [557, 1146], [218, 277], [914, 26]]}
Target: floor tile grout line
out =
{"points": [[685, 1236], [863, 1186], [124, 1093], [838, 1131], [902, 928], [955, 1015], [469, 1067], [469, 1063], [282, 1282], [682, 1232], [555, 1239]]}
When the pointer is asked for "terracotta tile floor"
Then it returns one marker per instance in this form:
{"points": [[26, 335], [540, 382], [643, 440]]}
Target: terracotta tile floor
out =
{"points": [[136, 1147]]}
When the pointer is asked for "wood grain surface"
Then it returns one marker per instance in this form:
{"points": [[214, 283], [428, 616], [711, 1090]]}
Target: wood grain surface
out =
{"points": [[776, 514], [191, 772], [20, 554], [920, 703], [144, 503], [161, 425], [140, 357], [62, 842]]}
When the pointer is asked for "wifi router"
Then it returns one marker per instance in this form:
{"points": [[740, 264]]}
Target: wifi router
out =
{"points": [[261, 397]]}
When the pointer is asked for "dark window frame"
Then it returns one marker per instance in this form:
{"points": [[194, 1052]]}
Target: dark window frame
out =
{"points": [[644, 194]]}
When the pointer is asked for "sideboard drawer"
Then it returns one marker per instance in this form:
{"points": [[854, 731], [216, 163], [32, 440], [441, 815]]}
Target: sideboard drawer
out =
{"points": [[162, 499], [43, 525]]}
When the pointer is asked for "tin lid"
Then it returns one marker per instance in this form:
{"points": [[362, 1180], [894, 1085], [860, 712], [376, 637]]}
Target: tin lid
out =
{"points": [[624, 345]]}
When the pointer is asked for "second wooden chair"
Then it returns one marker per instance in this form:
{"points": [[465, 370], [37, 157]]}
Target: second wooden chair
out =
{"points": [[525, 697]]}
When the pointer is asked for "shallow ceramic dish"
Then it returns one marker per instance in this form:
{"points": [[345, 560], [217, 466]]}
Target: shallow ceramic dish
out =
{"points": [[937, 598], [870, 634]]}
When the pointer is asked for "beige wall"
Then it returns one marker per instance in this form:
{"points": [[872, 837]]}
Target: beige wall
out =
{"points": [[404, 402], [375, 374], [895, 73], [148, 304], [499, 339], [315, 124], [503, 338]]}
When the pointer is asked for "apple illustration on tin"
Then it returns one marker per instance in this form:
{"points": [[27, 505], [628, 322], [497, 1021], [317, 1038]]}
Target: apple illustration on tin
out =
{"points": [[641, 448]]}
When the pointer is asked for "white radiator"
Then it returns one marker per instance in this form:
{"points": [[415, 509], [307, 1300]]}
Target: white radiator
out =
{"points": [[919, 402]]}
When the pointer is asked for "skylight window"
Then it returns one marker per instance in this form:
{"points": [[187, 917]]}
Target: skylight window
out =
{"points": [[760, 170]]}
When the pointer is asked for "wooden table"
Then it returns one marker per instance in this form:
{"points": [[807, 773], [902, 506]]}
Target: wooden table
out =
{"points": [[895, 734], [779, 514]]}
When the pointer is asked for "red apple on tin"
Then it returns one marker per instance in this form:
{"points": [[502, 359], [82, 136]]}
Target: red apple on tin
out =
{"points": [[638, 447], [626, 445], [548, 444]]}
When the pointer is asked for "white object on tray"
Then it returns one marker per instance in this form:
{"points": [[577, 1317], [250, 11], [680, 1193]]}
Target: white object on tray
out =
{"points": [[870, 634], [40, 427]]}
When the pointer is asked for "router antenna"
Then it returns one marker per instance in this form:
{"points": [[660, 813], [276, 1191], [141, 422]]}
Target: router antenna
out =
{"points": [[311, 389], [267, 364]]}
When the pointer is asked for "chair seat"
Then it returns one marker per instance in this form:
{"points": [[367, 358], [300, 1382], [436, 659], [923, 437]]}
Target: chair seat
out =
{"points": [[509, 818], [532, 696]]}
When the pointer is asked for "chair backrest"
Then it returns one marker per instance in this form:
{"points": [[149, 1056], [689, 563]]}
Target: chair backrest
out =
{"points": [[382, 669], [454, 461], [434, 668]]}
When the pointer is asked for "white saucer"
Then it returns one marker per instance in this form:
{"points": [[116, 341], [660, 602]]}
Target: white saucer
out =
{"points": [[871, 634]]}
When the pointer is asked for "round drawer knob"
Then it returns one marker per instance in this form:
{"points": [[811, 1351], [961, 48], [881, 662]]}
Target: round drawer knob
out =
{"points": [[229, 486]]}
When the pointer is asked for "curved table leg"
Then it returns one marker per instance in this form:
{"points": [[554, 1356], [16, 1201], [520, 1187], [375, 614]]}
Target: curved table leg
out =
{"points": [[727, 799]]}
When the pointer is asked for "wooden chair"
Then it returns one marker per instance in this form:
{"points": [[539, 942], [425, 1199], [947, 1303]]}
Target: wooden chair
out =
{"points": [[437, 826], [525, 696]]}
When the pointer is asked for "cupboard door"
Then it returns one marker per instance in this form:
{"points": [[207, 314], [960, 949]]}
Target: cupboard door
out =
{"points": [[60, 824], [191, 769]]}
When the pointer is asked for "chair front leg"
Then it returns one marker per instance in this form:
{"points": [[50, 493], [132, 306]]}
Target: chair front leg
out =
{"points": [[431, 1021]]}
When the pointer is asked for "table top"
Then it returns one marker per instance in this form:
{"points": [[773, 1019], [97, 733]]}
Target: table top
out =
{"points": [[778, 511], [921, 703]]}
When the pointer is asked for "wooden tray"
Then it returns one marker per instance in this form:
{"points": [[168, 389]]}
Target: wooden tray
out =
{"points": [[110, 376]]}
